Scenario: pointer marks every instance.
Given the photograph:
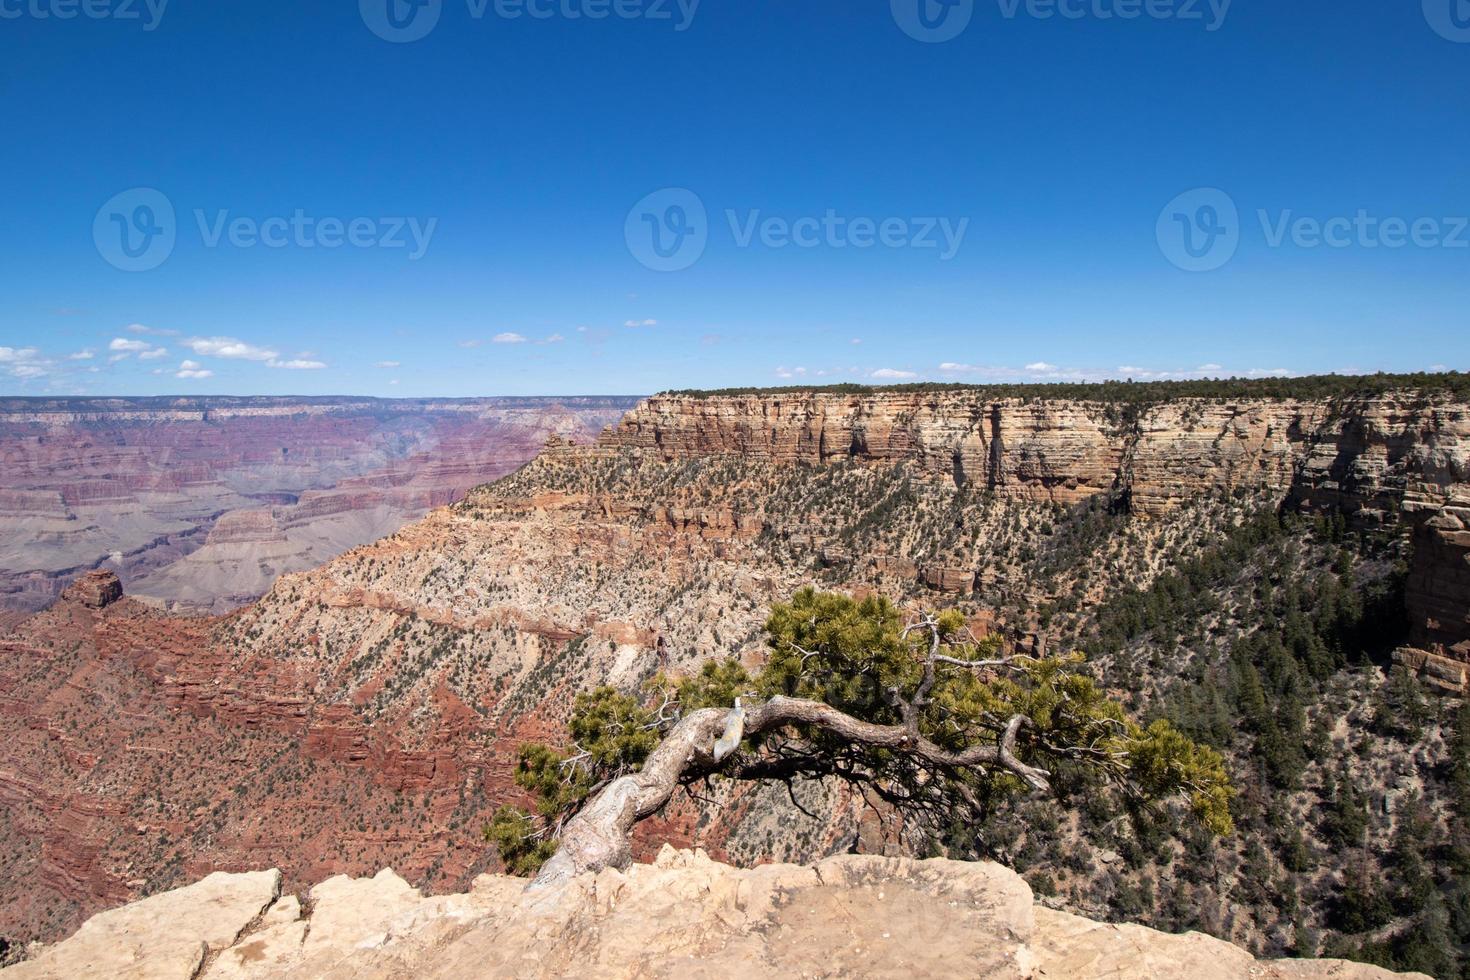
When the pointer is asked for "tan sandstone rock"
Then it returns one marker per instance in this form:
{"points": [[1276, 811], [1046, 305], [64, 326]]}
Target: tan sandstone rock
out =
{"points": [[683, 916], [164, 937]]}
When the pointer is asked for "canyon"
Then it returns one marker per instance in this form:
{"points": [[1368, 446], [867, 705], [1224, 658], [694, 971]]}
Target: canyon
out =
{"points": [[200, 503], [366, 713]]}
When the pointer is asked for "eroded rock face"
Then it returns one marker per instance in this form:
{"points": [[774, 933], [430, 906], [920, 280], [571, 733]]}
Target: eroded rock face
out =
{"points": [[95, 590], [1438, 588], [1355, 455], [683, 916], [1376, 460]]}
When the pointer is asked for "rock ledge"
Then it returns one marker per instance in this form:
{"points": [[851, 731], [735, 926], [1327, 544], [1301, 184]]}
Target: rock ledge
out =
{"points": [[682, 916]]}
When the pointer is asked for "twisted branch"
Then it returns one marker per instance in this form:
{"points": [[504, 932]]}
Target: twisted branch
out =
{"points": [[598, 836]]}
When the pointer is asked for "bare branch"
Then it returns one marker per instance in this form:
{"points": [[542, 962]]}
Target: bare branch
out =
{"points": [[597, 837], [1010, 663]]}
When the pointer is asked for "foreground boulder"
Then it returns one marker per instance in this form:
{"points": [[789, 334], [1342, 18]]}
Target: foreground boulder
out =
{"points": [[683, 916]]}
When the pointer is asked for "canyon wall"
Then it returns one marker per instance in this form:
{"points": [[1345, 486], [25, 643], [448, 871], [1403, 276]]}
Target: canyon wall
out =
{"points": [[138, 485], [1395, 459], [1366, 456]]}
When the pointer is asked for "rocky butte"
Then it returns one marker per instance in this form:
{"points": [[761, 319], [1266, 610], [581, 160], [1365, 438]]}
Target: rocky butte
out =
{"points": [[365, 714]]}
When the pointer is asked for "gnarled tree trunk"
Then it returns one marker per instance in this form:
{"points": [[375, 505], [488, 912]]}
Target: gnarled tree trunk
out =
{"points": [[598, 836]]}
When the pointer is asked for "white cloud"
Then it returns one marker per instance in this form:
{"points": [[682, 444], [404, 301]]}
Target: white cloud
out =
{"points": [[123, 348], [1210, 367], [82, 355], [393, 382], [555, 338], [192, 369], [1438, 368], [788, 373], [139, 328], [24, 371], [471, 344], [856, 340], [388, 365], [641, 323], [889, 374], [229, 347], [508, 338], [13, 355], [1033, 373], [296, 365], [1269, 373], [1147, 374]]}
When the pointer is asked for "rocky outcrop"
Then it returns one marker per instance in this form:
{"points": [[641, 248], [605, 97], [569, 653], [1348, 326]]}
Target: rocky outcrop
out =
{"points": [[173, 934], [95, 590], [682, 916]]}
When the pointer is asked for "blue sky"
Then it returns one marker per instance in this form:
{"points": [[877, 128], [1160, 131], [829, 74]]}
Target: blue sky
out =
{"points": [[998, 204]]}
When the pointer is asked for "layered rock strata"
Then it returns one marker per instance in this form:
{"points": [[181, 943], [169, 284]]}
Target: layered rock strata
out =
{"points": [[138, 485]]}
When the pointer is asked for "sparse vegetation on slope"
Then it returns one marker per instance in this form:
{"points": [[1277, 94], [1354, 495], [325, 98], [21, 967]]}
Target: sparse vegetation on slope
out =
{"points": [[936, 726]]}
